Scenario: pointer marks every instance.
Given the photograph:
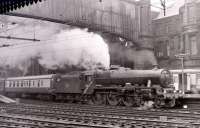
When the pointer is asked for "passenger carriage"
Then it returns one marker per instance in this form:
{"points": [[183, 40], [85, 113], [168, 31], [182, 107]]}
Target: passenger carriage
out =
{"points": [[191, 80]]}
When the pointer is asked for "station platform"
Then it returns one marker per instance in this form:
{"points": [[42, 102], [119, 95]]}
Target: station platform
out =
{"points": [[5, 99]]}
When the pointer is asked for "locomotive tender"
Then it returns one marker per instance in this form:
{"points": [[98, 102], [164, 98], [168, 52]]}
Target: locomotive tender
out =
{"points": [[114, 87]]}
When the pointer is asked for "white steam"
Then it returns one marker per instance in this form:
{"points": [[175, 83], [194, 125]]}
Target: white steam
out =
{"points": [[76, 47], [60, 46]]}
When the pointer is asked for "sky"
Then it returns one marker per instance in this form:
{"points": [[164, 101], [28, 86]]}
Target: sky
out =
{"points": [[168, 2], [172, 7]]}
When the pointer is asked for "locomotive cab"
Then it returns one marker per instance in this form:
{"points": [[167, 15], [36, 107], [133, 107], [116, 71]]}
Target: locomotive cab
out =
{"points": [[2, 85], [87, 82]]}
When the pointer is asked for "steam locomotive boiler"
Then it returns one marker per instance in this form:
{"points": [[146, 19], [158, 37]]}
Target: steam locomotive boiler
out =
{"points": [[122, 76], [119, 86]]}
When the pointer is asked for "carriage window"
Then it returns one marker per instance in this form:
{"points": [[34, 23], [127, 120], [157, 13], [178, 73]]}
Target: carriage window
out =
{"points": [[25, 83], [13, 83], [38, 83], [41, 83], [10, 83], [32, 83], [22, 83], [17, 83]]}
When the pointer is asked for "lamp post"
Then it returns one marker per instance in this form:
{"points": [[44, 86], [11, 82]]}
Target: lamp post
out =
{"points": [[181, 57]]}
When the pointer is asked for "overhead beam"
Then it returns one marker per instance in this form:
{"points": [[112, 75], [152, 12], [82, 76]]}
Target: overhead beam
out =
{"points": [[18, 38], [10, 5]]}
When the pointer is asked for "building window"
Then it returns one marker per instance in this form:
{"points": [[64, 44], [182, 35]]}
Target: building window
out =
{"points": [[191, 14], [193, 43], [160, 54], [163, 49], [168, 48], [159, 51], [167, 29]]}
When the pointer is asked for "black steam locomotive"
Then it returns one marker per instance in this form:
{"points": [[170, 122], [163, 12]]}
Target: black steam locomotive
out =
{"points": [[119, 86]]}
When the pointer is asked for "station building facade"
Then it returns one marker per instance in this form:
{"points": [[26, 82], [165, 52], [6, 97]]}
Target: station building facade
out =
{"points": [[180, 34]]}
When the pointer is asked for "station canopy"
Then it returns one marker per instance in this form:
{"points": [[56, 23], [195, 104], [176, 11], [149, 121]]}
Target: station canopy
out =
{"points": [[10, 5]]}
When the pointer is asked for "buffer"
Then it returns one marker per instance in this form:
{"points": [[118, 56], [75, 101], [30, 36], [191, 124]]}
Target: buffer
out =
{"points": [[5, 99]]}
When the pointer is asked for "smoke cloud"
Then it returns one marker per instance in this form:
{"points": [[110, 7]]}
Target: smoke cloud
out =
{"points": [[138, 57], [60, 45]]}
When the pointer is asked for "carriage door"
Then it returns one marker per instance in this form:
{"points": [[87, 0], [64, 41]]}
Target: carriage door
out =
{"points": [[2, 86], [176, 81], [185, 82], [3, 76], [197, 82], [188, 82]]}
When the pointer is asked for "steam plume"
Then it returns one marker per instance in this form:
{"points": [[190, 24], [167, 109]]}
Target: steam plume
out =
{"points": [[60, 45], [75, 47]]}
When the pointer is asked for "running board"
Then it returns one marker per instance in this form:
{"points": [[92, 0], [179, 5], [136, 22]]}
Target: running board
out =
{"points": [[5, 99]]}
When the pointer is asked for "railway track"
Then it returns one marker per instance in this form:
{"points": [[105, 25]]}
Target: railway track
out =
{"points": [[99, 112], [20, 121], [47, 121], [98, 116], [106, 110]]}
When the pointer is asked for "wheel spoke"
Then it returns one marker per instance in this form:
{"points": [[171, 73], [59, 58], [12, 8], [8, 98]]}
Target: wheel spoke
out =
{"points": [[99, 99], [113, 99], [170, 103], [158, 103], [88, 100], [128, 101]]}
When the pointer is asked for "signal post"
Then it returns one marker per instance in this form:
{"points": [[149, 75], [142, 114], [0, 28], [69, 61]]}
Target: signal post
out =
{"points": [[181, 57]]}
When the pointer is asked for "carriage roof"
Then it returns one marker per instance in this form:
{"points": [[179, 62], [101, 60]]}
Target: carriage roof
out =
{"points": [[179, 71], [32, 77]]}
